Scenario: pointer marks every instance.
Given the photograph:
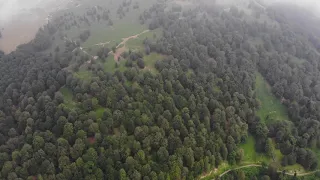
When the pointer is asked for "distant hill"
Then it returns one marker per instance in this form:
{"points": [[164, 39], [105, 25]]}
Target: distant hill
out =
{"points": [[302, 20]]}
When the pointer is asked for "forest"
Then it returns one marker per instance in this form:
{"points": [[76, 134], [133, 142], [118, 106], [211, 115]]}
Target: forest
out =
{"points": [[185, 118]]}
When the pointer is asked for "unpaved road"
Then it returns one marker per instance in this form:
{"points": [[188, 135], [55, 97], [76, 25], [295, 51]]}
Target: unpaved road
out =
{"points": [[119, 51], [241, 167], [258, 165]]}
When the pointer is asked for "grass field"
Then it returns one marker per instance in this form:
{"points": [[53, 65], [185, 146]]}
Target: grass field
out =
{"points": [[138, 42], [99, 112], [68, 97], [150, 61], [122, 28], [250, 155], [110, 65], [83, 74], [271, 108], [317, 152], [113, 34]]}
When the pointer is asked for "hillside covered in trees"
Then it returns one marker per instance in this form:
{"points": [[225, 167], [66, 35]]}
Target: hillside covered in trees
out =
{"points": [[176, 106]]}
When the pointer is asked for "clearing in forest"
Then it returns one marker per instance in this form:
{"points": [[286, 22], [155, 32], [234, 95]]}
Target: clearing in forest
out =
{"points": [[250, 154], [271, 109]]}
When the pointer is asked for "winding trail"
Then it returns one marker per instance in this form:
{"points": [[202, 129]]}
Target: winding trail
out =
{"points": [[260, 5], [81, 49], [257, 165], [300, 174], [118, 52], [122, 49], [241, 167], [124, 40], [102, 44]]}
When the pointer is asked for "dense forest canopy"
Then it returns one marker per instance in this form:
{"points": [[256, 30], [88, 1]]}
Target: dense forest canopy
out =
{"points": [[185, 118]]}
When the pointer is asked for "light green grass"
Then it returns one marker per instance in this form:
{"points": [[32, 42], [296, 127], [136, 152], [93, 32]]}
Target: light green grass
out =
{"points": [[68, 97], [101, 31], [296, 60], [83, 74], [114, 34], [293, 168], [150, 61], [137, 43], [99, 112], [317, 152], [213, 174], [67, 93], [250, 155], [271, 108], [110, 65]]}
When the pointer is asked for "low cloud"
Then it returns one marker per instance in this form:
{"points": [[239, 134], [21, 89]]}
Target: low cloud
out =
{"points": [[311, 5]]}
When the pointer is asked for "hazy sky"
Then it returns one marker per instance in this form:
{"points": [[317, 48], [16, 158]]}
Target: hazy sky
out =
{"points": [[310, 4], [8, 8]]}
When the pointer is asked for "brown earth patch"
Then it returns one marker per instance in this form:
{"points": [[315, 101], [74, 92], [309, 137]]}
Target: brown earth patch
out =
{"points": [[122, 49]]}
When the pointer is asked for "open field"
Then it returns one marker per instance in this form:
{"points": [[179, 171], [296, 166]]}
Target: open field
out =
{"points": [[271, 108], [68, 97], [137, 43], [250, 155], [150, 61], [83, 74]]}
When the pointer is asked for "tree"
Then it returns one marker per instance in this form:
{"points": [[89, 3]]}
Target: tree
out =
{"points": [[269, 148], [7, 168], [38, 142], [123, 174], [91, 155], [64, 161], [68, 130], [140, 63], [77, 150]]}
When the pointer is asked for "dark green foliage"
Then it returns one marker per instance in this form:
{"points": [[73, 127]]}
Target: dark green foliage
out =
{"points": [[176, 123], [84, 35]]}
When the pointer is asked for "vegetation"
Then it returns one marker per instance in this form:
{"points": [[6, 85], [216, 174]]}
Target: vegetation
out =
{"points": [[250, 154], [270, 108], [191, 96]]}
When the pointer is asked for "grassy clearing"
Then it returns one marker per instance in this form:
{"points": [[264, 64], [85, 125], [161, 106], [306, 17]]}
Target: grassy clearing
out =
{"points": [[67, 93], [271, 108], [151, 59], [68, 97], [138, 42], [293, 168], [122, 28], [250, 155], [215, 172], [84, 74], [99, 112], [296, 60], [110, 65], [317, 152], [114, 34]]}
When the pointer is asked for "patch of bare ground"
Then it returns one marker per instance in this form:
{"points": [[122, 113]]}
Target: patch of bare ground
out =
{"points": [[121, 48]]}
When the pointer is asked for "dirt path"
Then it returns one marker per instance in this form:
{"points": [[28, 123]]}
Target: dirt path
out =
{"points": [[257, 3], [241, 167], [300, 174], [215, 170], [102, 44], [256, 165], [124, 40], [92, 57], [119, 51]]}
